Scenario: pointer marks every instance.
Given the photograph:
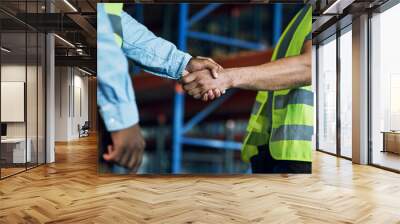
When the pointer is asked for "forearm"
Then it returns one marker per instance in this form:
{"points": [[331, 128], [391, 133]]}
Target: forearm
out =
{"points": [[152, 53], [285, 73]]}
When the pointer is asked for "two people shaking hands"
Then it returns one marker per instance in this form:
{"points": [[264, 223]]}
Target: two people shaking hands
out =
{"points": [[122, 143]]}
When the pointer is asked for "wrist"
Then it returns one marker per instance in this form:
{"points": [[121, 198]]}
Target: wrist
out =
{"points": [[230, 81], [119, 116], [185, 64]]}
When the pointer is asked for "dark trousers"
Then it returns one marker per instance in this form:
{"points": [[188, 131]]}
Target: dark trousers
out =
{"points": [[263, 162]]}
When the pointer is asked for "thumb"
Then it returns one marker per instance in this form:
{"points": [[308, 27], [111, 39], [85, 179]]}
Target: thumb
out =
{"points": [[110, 155], [214, 72], [185, 72], [213, 67]]}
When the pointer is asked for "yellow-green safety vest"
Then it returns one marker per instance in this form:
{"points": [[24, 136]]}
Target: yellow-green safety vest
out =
{"points": [[284, 119], [114, 11]]}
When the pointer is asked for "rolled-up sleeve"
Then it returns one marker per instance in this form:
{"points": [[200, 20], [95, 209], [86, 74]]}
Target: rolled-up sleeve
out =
{"points": [[152, 53], [115, 95]]}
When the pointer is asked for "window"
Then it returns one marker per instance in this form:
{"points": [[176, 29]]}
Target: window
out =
{"points": [[346, 93], [327, 96], [314, 88], [385, 89], [22, 77]]}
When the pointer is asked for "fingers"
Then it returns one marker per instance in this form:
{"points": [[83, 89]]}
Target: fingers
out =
{"points": [[111, 154], [185, 72], [190, 86], [218, 69], [205, 97], [194, 91], [133, 161], [127, 149], [197, 96], [197, 92], [201, 82], [132, 157], [188, 78], [136, 162], [214, 72], [106, 156], [211, 65], [211, 60], [211, 95], [124, 160], [109, 149], [217, 93]]}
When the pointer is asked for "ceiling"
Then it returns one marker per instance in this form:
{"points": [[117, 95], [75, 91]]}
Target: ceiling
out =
{"points": [[77, 24], [331, 16]]}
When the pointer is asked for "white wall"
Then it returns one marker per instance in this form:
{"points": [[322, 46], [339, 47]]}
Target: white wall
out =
{"points": [[12, 73], [81, 94], [33, 127], [61, 103], [385, 71], [71, 94]]}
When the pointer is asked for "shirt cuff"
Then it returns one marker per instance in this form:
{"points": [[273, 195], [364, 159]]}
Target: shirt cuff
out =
{"points": [[119, 116], [184, 59]]}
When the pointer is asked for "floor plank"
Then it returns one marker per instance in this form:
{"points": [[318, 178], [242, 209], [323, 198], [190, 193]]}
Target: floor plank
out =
{"points": [[70, 191]]}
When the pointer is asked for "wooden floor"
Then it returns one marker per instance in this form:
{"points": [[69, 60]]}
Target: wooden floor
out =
{"points": [[387, 159], [10, 171], [70, 191]]}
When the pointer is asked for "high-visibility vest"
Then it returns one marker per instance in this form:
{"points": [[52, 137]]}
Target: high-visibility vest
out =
{"points": [[283, 119], [114, 11]]}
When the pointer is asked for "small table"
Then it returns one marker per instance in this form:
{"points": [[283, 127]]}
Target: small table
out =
{"points": [[391, 141]]}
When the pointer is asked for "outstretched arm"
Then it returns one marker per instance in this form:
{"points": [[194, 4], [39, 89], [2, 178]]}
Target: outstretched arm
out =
{"points": [[157, 55], [284, 73]]}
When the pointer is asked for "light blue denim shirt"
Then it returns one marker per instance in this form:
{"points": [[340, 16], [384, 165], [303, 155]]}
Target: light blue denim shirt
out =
{"points": [[115, 95]]}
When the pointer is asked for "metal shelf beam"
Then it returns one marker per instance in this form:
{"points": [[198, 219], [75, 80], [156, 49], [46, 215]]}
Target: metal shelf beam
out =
{"points": [[179, 128]]}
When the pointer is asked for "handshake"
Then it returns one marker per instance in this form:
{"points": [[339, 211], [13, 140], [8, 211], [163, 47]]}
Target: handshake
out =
{"points": [[204, 79]]}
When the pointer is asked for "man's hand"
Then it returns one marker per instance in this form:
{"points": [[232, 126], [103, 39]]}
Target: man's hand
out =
{"points": [[200, 63], [127, 148], [199, 84]]}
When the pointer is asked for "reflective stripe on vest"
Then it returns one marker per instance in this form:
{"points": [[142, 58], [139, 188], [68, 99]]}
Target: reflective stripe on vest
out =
{"points": [[114, 11], [284, 119]]}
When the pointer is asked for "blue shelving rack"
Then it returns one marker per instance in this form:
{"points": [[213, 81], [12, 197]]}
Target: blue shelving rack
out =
{"points": [[179, 127]]}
